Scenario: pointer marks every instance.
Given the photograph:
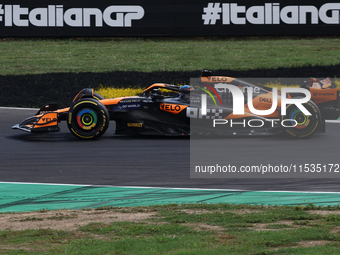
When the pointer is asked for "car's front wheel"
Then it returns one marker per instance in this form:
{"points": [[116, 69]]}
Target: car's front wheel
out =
{"points": [[88, 118]]}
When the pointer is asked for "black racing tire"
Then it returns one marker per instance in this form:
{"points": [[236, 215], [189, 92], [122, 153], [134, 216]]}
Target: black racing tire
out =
{"points": [[305, 125], [88, 118], [97, 96]]}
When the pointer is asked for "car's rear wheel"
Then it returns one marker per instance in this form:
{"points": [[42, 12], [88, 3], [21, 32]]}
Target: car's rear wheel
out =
{"points": [[300, 125], [88, 118]]}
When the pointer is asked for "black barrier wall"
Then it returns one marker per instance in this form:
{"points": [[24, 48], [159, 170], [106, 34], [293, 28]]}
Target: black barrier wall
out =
{"points": [[35, 90], [168, 18]]}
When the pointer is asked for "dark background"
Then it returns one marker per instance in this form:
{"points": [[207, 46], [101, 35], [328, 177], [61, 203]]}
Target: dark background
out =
{"points": [[39, 89], [167, 18]]}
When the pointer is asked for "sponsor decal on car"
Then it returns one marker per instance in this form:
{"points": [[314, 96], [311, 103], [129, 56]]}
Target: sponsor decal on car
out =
{"points": [[173, 108], [138, 125], [128, 106], [124, 101], [325, 94], [48, 119]]}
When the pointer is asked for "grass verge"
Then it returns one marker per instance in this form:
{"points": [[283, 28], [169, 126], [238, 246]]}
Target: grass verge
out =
{"points": [[175, 229], [37, 56]]}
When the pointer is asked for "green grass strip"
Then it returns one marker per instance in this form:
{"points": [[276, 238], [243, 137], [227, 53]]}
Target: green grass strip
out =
{"points": [[174, 229], [37, 56]]}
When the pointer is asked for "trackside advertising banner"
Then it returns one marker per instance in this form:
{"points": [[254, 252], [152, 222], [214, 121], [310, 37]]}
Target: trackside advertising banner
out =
{"points": [[168, 18]]}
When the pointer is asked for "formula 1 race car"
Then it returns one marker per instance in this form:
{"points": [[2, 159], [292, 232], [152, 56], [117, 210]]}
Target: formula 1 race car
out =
{"points": [[164, 109]]}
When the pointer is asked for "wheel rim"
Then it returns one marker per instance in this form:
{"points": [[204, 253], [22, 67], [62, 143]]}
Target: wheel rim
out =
{"points": [[302, 121], [87, 119]]}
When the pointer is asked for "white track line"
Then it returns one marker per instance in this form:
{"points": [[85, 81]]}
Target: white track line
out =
{"points": [[18, 108], [333, 121], [166, 188]]}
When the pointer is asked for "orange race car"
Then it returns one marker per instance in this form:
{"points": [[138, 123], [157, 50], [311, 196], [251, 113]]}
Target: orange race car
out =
{"points": [[204, 107]]}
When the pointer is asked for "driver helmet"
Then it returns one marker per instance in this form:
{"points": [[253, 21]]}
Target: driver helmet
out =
{"points": [[156, 92]]}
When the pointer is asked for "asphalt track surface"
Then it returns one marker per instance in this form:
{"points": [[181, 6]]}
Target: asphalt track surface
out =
{"points": [[151, 161]]}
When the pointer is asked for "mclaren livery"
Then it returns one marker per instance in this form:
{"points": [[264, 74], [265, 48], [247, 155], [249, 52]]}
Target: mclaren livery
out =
{"points": [[164, 109]]}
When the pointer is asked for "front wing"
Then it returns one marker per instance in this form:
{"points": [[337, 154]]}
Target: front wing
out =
{"points": [[43, 123]]}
